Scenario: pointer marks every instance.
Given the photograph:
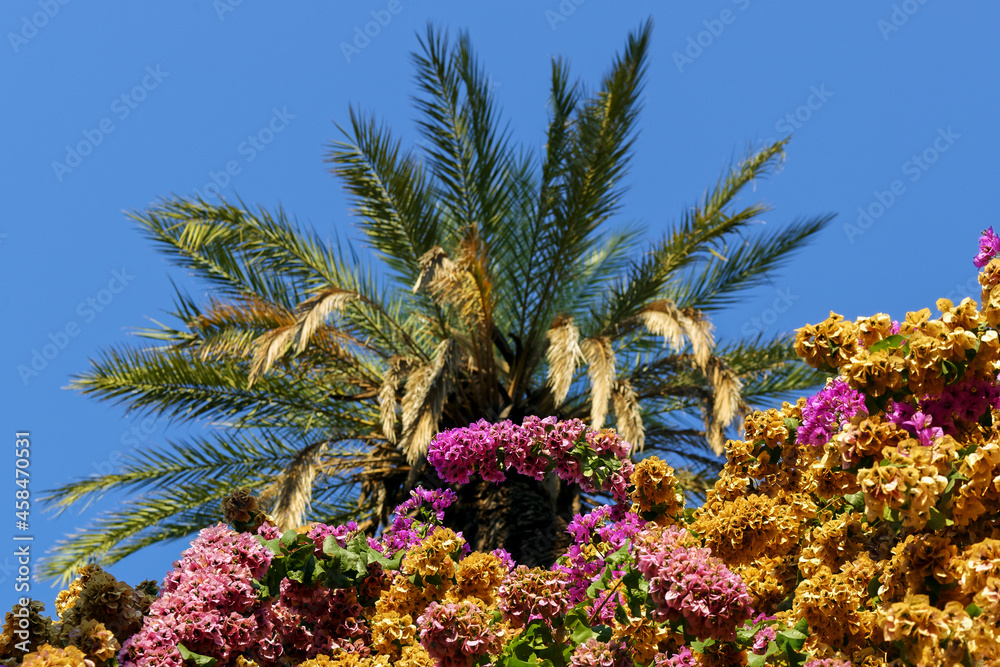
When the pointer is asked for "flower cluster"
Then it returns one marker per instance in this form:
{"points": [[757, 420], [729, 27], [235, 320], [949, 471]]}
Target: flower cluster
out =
{"points": [[683, 658], [208, 603], [407, 531], [594, 653], [533, 594], [655, 488], [859, 527], [51, 656], [312, 620], [595, 460], [456, 634], [989, 247], [826, 412], [690, 584], [600, 532]]}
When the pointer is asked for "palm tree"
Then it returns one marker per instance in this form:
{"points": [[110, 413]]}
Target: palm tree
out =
{"points": [[501, 293]]}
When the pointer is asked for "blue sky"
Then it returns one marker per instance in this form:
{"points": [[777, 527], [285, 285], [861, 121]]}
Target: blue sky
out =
{"points": [[110, 106]]}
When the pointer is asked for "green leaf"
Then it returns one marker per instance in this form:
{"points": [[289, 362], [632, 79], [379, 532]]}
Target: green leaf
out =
{"points": [[274, 546], [288, 539], [890, 342], [793, 638], [873, 587], [793, 429], [699, 646], [198, 659], [973, 610], [937, 520], [576, 623], [514, 661], [856, 500], [755, 660], [747, 632]]}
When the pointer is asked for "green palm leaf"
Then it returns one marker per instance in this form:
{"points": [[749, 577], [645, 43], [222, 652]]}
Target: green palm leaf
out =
{"points": [[323, 370]]}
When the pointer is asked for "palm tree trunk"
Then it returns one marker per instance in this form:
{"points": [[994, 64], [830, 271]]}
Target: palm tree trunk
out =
{"points": [[526, 517]]}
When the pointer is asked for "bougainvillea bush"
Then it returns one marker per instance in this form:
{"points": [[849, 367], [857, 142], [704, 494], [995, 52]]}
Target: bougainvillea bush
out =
{"points": [[858, 527]]}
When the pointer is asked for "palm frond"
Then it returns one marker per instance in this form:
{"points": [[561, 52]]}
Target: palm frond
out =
{"points": [[721, 280], [181, 385], [427, 388], [390, 193], [563, 356], [291, 492], [398, 366], [313, 313], [171, 514], [699, 234], [628, 414], [589, 190], [600, 358]]}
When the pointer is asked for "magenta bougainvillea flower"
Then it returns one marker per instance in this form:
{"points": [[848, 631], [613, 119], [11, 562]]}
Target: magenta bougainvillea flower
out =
{"points": [[606, 526], [827, 411], [989, 247], [948, 413], [407, 531], [533, 449], [683, 658]]}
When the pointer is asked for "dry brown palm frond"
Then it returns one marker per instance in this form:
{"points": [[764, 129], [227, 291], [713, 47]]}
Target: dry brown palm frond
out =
{"points": [[273, 345], [226, 345], [427, 388], [246, 311], [699, 331], [452, 284], [268, 348], [726, 390], [292, 490], [314, 311], [722, 406], [664, 318], [434, 266], [563, 356], [398, 366], [228, 329], [600, 358], [628, 414], [714, 430]]}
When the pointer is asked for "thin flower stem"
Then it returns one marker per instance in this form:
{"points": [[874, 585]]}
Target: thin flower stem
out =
{"points": [[610, 595]]}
